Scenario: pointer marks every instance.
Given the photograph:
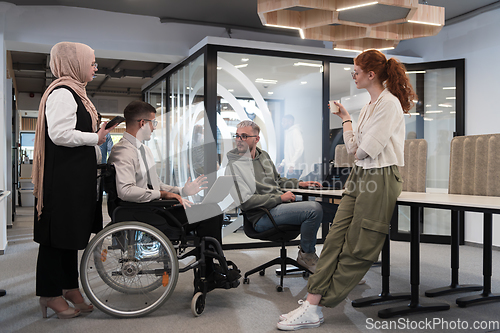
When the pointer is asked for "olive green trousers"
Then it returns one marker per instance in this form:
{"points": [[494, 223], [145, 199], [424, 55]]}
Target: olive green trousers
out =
{"points": [[357, 233]]}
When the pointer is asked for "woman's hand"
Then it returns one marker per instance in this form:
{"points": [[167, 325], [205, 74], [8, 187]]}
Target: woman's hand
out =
{"points": [[103, 132], [342, 111], [195, 186]]}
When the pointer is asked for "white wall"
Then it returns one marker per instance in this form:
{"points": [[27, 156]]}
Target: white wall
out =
{"points": [[476, 40]]}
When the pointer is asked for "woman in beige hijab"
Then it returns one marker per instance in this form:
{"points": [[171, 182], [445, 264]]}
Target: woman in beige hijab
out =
{"points": [[64, 174]]}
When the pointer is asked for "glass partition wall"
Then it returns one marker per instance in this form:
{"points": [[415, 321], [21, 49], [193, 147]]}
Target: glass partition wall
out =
{"points": [[201, 100]]}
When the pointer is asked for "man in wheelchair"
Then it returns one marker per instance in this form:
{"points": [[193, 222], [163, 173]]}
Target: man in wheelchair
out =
{"points": [[137, 182]]}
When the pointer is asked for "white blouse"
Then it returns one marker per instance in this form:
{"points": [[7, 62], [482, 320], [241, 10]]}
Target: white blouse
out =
{"points": [[60, 112], [380, 133]]}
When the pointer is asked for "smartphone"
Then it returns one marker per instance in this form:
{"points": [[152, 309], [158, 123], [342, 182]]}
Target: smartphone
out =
{"points": [[115, 121]]}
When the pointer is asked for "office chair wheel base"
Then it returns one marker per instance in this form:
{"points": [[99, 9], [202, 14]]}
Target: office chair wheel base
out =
{"points": [[279, 288], [262, 272], [198, 304], [246, 281]]}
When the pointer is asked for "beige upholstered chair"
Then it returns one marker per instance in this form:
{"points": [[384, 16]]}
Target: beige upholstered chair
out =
{"points": [[474, 165], [342, 158], [415, 169]]}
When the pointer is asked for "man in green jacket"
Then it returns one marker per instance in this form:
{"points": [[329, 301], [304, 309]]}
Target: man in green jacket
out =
{"points": [[260, 185]]}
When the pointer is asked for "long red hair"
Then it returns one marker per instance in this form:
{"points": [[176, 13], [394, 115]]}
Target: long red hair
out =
{"points": [[390, 72]]}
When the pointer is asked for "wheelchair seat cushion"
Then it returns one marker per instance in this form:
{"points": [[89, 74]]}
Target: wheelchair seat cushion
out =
{"points": [[151, 217]]}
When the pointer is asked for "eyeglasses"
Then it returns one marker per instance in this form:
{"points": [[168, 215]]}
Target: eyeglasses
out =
{"points": [[154, 122], [243, 136], [94, 65], [354, 74]]}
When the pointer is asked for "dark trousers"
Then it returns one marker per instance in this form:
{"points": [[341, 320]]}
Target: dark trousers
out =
{"points": [[56, 269]]}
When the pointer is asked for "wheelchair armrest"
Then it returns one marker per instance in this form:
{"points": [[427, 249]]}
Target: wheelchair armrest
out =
{"points": [[154, 203], [102, 166]]}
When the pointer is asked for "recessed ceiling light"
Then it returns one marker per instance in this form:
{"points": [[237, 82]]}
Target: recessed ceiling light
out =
{"points": [[244, 59], [449, 88], [357, 6], [230, 90], [347, 68], [428, 119], [383, 48], [347, 50], [270, 93], [426, 23], [308, 64], [260, 80], [241, 66], [303, 82], [445, 105], [415, 72], [434, 111], [451, 98]]}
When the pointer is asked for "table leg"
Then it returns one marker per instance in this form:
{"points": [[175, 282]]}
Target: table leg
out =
{"points": [[385, 295], [454, 287], [414, 306], [486, 295]]}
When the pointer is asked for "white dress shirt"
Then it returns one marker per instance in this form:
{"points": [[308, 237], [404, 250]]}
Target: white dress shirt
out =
{"points": [[131, 175], [380, 133]]}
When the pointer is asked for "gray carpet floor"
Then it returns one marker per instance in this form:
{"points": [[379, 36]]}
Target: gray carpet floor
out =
{"points": [[255, 307]]}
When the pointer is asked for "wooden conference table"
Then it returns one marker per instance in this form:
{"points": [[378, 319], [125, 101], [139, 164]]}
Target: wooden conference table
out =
{"points": [[417, 201]]}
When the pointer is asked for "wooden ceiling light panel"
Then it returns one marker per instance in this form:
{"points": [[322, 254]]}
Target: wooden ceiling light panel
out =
{"points": [[354, 24]]}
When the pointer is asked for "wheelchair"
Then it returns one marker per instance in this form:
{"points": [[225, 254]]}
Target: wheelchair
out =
{"points": [[131, 268]]}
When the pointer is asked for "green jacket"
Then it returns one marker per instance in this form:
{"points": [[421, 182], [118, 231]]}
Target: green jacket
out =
{"points": [[257, 183]]}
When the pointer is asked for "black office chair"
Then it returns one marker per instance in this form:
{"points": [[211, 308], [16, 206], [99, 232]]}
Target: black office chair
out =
{"points": [[279, 234]]}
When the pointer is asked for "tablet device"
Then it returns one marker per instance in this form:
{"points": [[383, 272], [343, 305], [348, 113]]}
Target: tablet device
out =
{"points": [[115, 121]]}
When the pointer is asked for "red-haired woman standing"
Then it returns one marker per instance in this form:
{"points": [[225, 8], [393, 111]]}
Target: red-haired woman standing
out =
{"points": [[361, 224]]}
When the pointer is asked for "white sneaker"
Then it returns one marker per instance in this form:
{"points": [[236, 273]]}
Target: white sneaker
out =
{"points": [[308, 260], [319, 311], [305, 316]]}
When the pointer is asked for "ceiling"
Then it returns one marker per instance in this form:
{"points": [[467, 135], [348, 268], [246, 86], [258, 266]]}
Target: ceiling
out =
{"points": [[114, 77], [123, 77]]}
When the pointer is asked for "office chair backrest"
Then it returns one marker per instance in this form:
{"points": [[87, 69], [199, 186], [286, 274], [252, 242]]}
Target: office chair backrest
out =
{"points": [[342, 158], [474, 161], [415, 169]]}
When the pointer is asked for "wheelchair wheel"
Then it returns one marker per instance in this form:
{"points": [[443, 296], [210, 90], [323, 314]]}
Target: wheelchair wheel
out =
{"points": [[129, 269], [198, 304]]}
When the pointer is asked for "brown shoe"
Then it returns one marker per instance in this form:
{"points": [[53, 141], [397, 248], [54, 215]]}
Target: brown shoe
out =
{"points": [[308, 260]]}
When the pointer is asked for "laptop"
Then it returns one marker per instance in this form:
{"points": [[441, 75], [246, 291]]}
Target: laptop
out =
{"points": [[335, 179], [219, 190]]}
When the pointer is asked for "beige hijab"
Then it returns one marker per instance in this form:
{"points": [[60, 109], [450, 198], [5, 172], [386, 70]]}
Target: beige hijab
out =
{"points": [[70, 63]]}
